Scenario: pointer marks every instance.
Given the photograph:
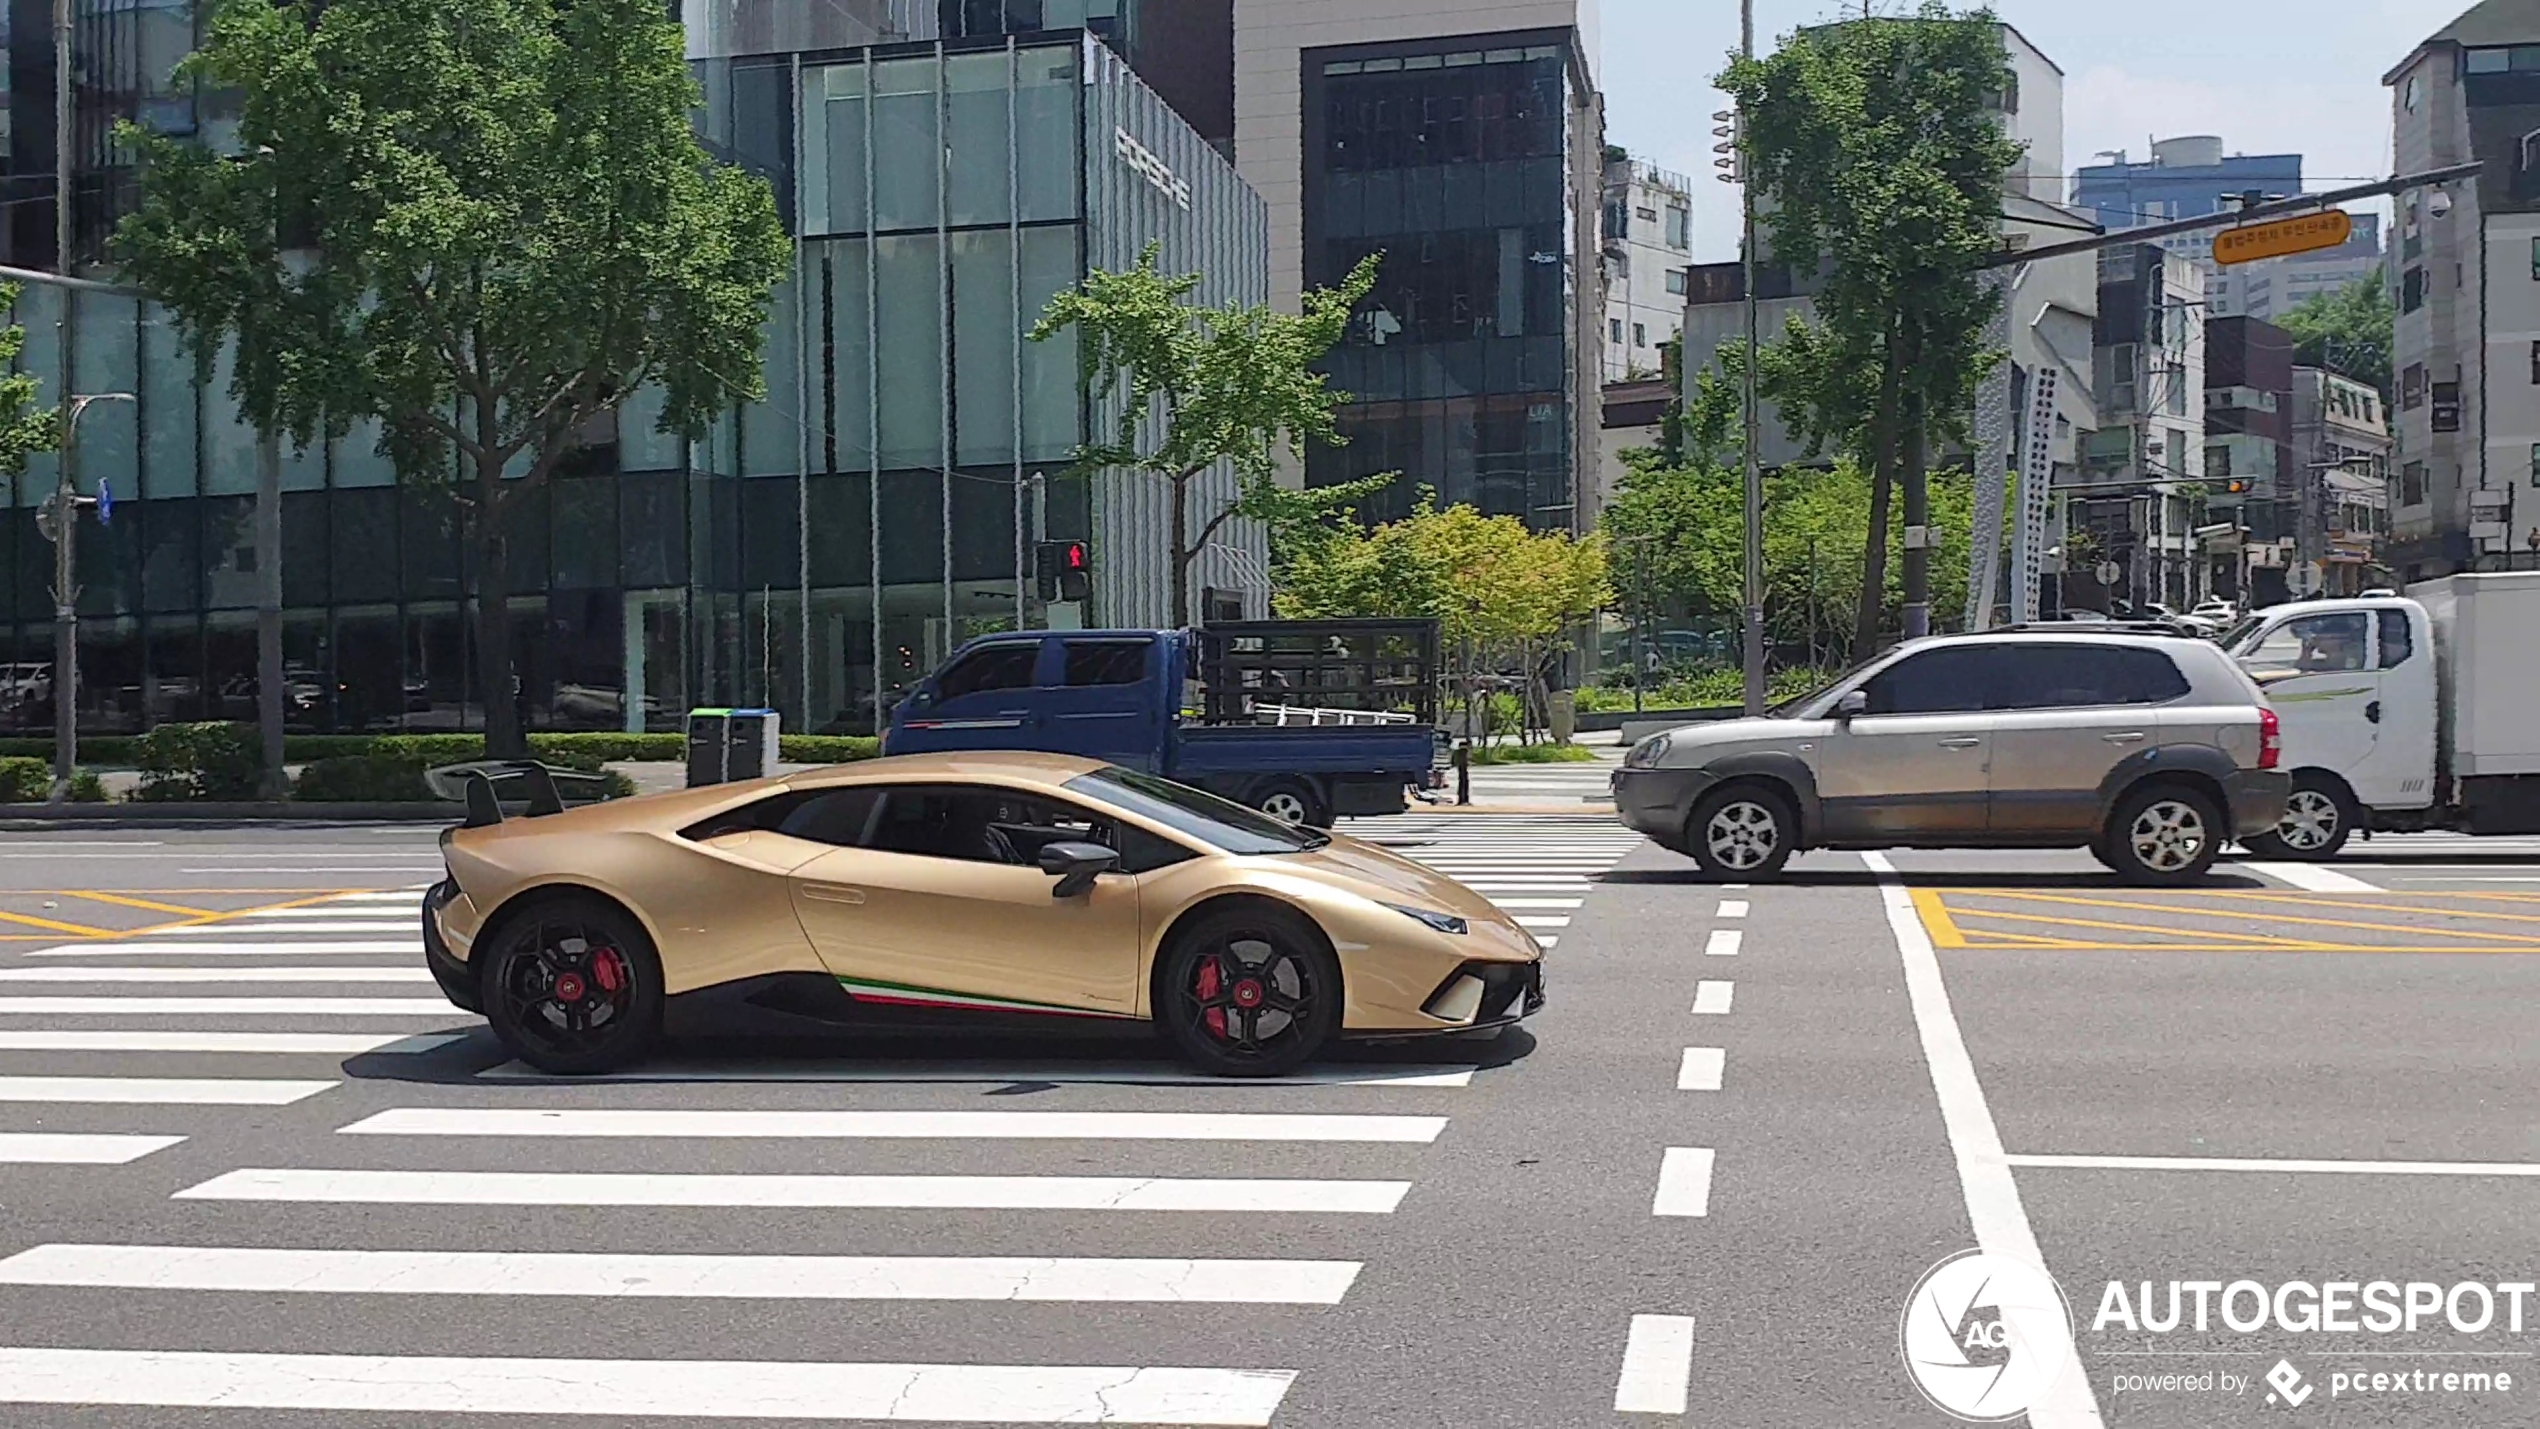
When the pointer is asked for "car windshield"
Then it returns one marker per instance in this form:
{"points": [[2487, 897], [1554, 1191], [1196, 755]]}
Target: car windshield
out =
{"points": [[1220, 823], [2230, 639]]}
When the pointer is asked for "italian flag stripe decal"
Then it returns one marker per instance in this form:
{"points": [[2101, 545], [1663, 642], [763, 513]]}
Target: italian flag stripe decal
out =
{"points": [[904, 995]]}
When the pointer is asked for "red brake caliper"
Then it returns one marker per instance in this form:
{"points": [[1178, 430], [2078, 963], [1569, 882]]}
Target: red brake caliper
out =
{"points": [[607, 970], [1214, 1018]]}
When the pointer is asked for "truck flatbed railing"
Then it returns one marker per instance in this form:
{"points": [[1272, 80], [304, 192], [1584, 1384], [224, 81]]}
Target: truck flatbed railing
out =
{"points": [[1288, 716]]}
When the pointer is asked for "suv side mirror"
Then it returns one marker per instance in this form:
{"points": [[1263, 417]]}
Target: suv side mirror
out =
{"points": [[1853, 703], [1076, 865]]}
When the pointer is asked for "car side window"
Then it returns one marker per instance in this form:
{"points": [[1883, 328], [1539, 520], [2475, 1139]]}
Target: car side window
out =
{"points": [[831, 816], [982, 824], [1950, 681], [2043, 677], [2313, 645], [999, 667], [2398, 642], [1106, 662]]}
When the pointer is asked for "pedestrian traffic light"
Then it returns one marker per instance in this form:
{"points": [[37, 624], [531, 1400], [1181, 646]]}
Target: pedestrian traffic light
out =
{"points": [[1065, 570]]}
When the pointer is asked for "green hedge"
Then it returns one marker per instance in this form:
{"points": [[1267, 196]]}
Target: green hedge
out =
{"points": [[586, 750], [24, 780], [1484, 754], [220, 762], [95, 748], [362, 779]]}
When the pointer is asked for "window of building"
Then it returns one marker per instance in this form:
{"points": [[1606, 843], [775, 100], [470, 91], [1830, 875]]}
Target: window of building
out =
{"points": [[1616, 327], [2447, 406], [1679, 226], [2481, 62], [2412, 290], [2412, 387], [1645, 215], [1678, 283], [1640, 334], [2412, 93], [2412, 484]]}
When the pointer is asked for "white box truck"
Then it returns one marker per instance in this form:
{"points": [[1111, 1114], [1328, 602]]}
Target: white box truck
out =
{"points": [[2402, 713]]}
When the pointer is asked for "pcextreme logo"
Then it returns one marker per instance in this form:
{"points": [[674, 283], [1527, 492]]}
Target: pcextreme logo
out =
{"points": [[1985, 1336]]}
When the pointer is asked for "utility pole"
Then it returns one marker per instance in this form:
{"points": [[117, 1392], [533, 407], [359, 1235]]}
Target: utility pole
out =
{"points": [[58, 521], [1754, 472], [63, 112]]}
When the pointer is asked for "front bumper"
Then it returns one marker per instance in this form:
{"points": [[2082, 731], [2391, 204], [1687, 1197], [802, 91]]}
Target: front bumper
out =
{"points": [[1509, 993], [2257, 799], [457, 979], [1657, 801]]}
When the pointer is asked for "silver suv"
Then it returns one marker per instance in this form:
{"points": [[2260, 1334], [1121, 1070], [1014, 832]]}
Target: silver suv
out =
{"points": [[2150, 750]]}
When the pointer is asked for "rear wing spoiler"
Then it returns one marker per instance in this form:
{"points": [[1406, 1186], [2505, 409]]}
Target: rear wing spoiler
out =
{"points": [[479, 786]]}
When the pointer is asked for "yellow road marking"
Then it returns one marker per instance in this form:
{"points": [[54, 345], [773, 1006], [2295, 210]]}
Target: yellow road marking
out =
{"points": [[82, 929], [2481, 935], [1936, 920], [2236, 948], [129, 902], [2253, 940], [237, 913], [2300, 901]]}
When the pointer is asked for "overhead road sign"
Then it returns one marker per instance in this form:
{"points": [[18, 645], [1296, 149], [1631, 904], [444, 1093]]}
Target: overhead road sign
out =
{"points": [[2303, 233]]}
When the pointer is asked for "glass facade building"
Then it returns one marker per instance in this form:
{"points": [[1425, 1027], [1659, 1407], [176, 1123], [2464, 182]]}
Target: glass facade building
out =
{"points": [[1463, 162], [818, 552]]}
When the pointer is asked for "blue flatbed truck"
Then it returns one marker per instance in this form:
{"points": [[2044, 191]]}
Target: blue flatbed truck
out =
{"points": [[1306, 720]]}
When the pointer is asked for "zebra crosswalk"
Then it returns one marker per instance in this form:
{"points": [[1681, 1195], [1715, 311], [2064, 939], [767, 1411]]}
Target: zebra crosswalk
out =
{"points": [[1130, 1243]]}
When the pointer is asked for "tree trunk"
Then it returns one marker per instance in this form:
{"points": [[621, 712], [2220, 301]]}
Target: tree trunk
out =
{"points": [[1885, 420], [1181, 554]]}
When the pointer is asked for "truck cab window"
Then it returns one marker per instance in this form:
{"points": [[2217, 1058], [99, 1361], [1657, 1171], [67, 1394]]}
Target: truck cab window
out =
{"points": [[999, 667], [1106, 662], [2313, 645], [2397, 641]]}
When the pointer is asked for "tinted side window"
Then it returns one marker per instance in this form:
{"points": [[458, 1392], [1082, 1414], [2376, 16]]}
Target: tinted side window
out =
{"points": [[988, 825], [1106, 662], [999, 667], [1934, 682], [831, 816], [2398, 642], [2040, 677], [2150, 677]]}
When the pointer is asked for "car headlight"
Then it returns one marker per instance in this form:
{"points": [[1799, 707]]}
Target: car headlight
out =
{"points": [[1646, 753], [1442, 922]]}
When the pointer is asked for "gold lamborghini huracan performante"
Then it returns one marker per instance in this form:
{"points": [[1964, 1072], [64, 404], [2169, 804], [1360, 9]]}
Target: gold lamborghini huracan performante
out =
{"points": [[948, 890]]}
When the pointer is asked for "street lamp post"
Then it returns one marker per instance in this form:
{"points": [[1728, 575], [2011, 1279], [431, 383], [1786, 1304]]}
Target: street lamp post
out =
{"points": [[61, 523], [1754, 472]]}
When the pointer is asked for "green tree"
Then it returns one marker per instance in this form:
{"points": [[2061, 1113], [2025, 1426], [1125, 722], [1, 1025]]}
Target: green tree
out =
{"points": [[1197, 386], [2347, 331], [25, 428], [1881, 147], [482, 223]]}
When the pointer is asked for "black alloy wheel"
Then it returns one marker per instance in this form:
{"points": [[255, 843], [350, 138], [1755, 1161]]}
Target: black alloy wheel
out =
{"points": [[573, 987], [1248, 994]]}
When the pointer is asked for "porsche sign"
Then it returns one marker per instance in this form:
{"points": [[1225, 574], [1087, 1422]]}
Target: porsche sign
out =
{"points": [[2302, 233]]}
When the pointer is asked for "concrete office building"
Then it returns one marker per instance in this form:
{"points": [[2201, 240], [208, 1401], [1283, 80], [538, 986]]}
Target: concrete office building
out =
{"points": [[1465, 143], [2467, 265], [2252, 484], [2186, 177], [2341, 465], [2135, 490], [1648, 232], [820, 550]]}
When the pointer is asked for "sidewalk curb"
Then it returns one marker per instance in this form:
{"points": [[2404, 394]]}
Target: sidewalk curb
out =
{"points": [[179, 815]]}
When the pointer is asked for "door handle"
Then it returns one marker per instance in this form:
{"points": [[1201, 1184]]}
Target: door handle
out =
{"points": [[1961, 742], [832, 893], [2372, 712], [2129, 737]]}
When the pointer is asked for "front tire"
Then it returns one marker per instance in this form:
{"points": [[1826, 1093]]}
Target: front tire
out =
{"points": [[1249, 992], [573, 986], [2318, 819], [2164, 835], [1741, 832]]}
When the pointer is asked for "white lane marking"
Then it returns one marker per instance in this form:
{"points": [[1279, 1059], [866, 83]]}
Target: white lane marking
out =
{"points": [[968, 1193], [712, 1277], [159, 1091], [51, 844], [2311, 878], [1732, 908], [242, 929], [1711, 997], [1547, 944], [417, 866], [332, 1044], [226, 1006], [1724, 942], [1543, 904], [1539, 922], [104, 948], [898, 1125], [351, 905], [1684, 1182], [1700, 1070], [2247, 1163], [1733, 887], [623, 1389], [52, 1148], [1657, 1366], [1090, 1074], [1994, 1211], [214, 974]]}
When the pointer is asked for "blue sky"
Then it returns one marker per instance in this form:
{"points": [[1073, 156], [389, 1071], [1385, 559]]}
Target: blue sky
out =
{"points": [[2270, 76]]}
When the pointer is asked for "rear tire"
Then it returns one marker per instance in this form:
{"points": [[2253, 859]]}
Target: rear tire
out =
{"points": [[1291, 801], [1744, 831], [1249, 992], [2318, 819], [572, 985], [2164, 834]]}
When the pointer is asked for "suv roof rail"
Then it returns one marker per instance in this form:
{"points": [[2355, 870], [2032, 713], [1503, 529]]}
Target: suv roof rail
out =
{"points": [[2087, 627]]}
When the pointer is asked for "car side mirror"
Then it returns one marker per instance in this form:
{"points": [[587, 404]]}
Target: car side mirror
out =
{"points": [[1853, 703], [1076, 866]]}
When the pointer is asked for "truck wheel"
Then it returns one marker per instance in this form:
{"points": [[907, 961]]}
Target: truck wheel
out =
{"points": [[1291, 801], [2318, 819], [2164, 834]]}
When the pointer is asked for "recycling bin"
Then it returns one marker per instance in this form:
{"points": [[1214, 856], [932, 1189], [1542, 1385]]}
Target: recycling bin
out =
{"points": [[729, 745]]}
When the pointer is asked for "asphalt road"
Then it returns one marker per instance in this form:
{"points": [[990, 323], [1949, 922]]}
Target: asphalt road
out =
{"points": [[1701, 1185]]}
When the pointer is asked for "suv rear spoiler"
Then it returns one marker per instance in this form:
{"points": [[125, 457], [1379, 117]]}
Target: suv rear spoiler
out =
{"points": [[476, 785]]}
